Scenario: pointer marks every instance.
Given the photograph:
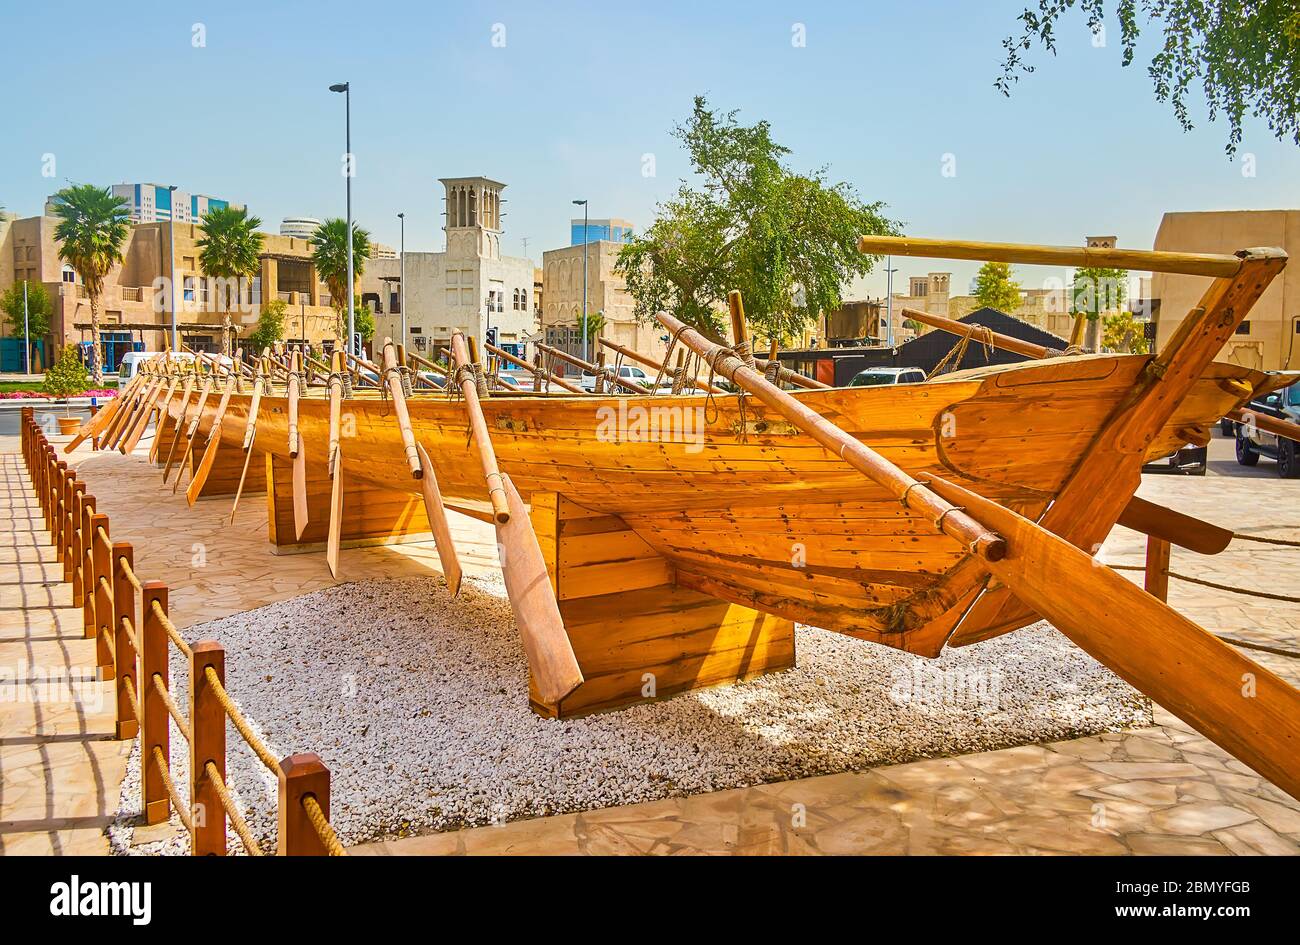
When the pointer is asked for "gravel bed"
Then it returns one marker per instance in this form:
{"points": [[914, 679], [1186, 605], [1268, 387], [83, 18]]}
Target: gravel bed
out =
{"points": [[418, 704]]}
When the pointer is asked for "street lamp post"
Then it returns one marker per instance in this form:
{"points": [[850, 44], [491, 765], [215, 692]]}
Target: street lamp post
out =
{"points": [[346, 89], [583, 204], [401, 275], [171, 266], [889, 301], [27, 336]]}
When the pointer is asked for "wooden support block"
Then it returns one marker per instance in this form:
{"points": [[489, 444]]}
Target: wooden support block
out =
{"points": [[637, 635], [370, 515]]}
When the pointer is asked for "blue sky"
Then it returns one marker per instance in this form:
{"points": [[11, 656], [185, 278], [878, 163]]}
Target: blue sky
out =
{"points": [[579, 93]]}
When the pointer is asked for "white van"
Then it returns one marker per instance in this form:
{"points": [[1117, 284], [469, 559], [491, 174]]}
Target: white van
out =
{"points": [[129, 366]]}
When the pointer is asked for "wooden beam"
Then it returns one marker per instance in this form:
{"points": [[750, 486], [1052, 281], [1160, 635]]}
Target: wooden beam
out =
{"points": [[1192, 264], [1263, 421], [1175, 527]]}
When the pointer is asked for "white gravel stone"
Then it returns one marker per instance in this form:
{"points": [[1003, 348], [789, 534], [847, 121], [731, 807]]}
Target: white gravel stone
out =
{"points": [[418, 704]]}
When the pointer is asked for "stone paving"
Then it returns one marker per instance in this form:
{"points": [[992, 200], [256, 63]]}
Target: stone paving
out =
{"points": [[1162, 789]]}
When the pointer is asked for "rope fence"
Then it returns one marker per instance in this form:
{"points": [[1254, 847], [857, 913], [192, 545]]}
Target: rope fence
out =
{"points": [[128, 618]]}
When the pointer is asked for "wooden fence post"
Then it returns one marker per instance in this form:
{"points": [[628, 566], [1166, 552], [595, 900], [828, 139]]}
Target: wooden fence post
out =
{"points": [[71, 525], [81, 582], [154, 730], [301, 775], [25, 421], [57, 468], [66, 482], [101, 554], [208, 725], [1157, 569], [124, 650]]}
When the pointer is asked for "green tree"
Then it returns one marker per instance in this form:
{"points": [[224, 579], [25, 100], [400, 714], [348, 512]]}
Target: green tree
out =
{"points": [[270, 327], [330, 253], [93, 227], [787, 241], [1123, 332], [995, 288], [1245, 56], [230, 249], [39, 309], [67, 377], [364, 319], [1097, 290]]}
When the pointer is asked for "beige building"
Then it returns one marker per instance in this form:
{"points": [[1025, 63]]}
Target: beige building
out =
{"points": [[135, 306], [606, 295], [471, 287], [1269, 338]]}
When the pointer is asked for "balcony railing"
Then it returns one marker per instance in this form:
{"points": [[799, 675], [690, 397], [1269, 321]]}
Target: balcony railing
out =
{"points": [[132, 293]]}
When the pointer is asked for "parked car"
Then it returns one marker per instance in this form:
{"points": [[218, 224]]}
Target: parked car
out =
{"points": [[882, 376], [1252, 442], [1189, 461], [628, 372]]}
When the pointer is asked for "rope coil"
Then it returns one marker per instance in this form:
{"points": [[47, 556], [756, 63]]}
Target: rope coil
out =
{"points": [[129, 573]]}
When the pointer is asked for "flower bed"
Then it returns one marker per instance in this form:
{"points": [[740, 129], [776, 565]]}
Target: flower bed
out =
{"points": [[102, 394]]}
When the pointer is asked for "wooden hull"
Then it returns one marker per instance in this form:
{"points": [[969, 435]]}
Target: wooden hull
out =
{"points": [[744, 507]]}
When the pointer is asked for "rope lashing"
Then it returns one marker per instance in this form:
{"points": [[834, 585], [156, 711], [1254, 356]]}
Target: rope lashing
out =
{"points": [[772, 373], [406, 381], [240, 723], [130, 633], [165, 770], [172, 708], [322, 826], [958, 351], [129, 573], [480, 379], [170, 627], [132, 698], [346, 377], [232, 811]]}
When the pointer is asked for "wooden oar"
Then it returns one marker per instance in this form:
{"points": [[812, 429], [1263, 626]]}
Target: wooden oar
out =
{"points": [[214, 443], [1236, 703], [979, 333], [519, 362], [740, 334], [156, 448], [1263, 421], [651, 363], [296, 453], [334, 461], [132, 438], [590, 368], [1174, 527], [122, 430], [250, 428], [111, 411], [546, 643], [191, 429], [912, 493], [422, 470], [180, 422]]}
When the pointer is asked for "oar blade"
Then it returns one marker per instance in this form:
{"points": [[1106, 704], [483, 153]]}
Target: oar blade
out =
{"points": [[300, 517], [550, 654], [336, 515], [1234, 702], [438, 523], [205, 464], [248, 455]]}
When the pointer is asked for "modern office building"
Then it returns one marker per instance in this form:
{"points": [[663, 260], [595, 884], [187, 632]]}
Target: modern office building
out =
{"points": [[612, 230], [303, 228], [157, 203]]}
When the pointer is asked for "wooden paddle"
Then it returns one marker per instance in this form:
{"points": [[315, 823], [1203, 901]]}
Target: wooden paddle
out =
{"points": [[141, 424], [250, 427], [180, 422], [191, 429], [1236, 703], [112, 411], [214, 443], [156, 447], [296, 451], [546, 643], [335, 462], [422, 470]]}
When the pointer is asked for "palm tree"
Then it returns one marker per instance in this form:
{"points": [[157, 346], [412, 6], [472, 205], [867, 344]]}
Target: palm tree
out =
{"points": [[331, 258], [93, 227], [231, 248]]}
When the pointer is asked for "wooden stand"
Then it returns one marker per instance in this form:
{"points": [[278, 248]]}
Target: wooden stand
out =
{"points": [[637, 635], [370, 515]]}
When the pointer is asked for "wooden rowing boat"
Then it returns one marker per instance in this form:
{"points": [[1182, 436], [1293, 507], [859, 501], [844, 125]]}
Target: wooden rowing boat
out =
{"points": [[682, 535]]}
